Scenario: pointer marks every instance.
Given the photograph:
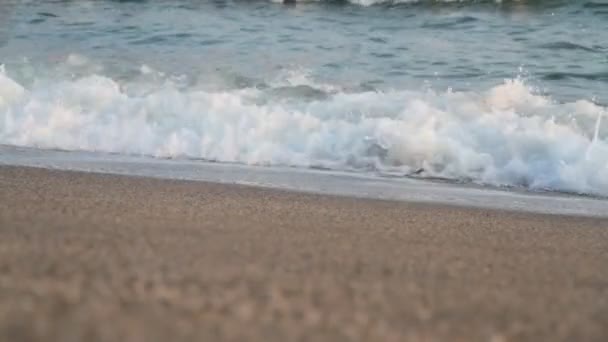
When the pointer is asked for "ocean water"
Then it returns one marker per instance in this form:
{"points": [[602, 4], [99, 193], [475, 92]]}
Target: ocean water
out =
{"points": [[495, 93]]}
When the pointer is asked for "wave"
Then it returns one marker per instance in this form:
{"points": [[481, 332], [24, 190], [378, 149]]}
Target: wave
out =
{"points": [[507, 135]]}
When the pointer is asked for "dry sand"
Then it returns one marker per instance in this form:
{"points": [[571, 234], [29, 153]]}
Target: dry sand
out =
{"points": [[89, 257]]}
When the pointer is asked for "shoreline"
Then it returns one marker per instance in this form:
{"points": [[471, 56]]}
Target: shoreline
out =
{"points": [[107, 257], [311, 181]]}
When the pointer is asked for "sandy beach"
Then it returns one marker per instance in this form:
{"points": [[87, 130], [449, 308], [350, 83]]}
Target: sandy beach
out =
{"points": [[93, 257]]}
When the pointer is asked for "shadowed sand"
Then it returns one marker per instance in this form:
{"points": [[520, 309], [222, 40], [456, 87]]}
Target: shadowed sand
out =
{"points": [[89, 257]]}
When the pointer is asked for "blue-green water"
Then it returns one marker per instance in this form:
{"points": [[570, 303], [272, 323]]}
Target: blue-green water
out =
{"points": [[562, 46], [503, 93]]}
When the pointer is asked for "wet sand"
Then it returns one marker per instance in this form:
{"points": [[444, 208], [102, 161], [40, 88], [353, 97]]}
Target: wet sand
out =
{"points": [[91, 257]]}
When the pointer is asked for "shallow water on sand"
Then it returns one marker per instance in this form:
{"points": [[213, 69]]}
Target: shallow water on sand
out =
{"points": [[309, 180]]}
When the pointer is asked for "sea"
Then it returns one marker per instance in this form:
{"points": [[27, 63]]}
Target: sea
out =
{"points": [[477, 102]]}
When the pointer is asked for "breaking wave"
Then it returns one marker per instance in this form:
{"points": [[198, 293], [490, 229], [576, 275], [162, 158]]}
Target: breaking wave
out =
{"points": [[507, 135]]}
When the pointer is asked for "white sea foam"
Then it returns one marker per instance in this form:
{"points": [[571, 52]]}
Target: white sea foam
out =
{"points": [[506, 135]]}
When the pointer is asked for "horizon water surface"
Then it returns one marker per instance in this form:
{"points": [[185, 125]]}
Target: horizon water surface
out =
{"points": [[500, 93]]}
